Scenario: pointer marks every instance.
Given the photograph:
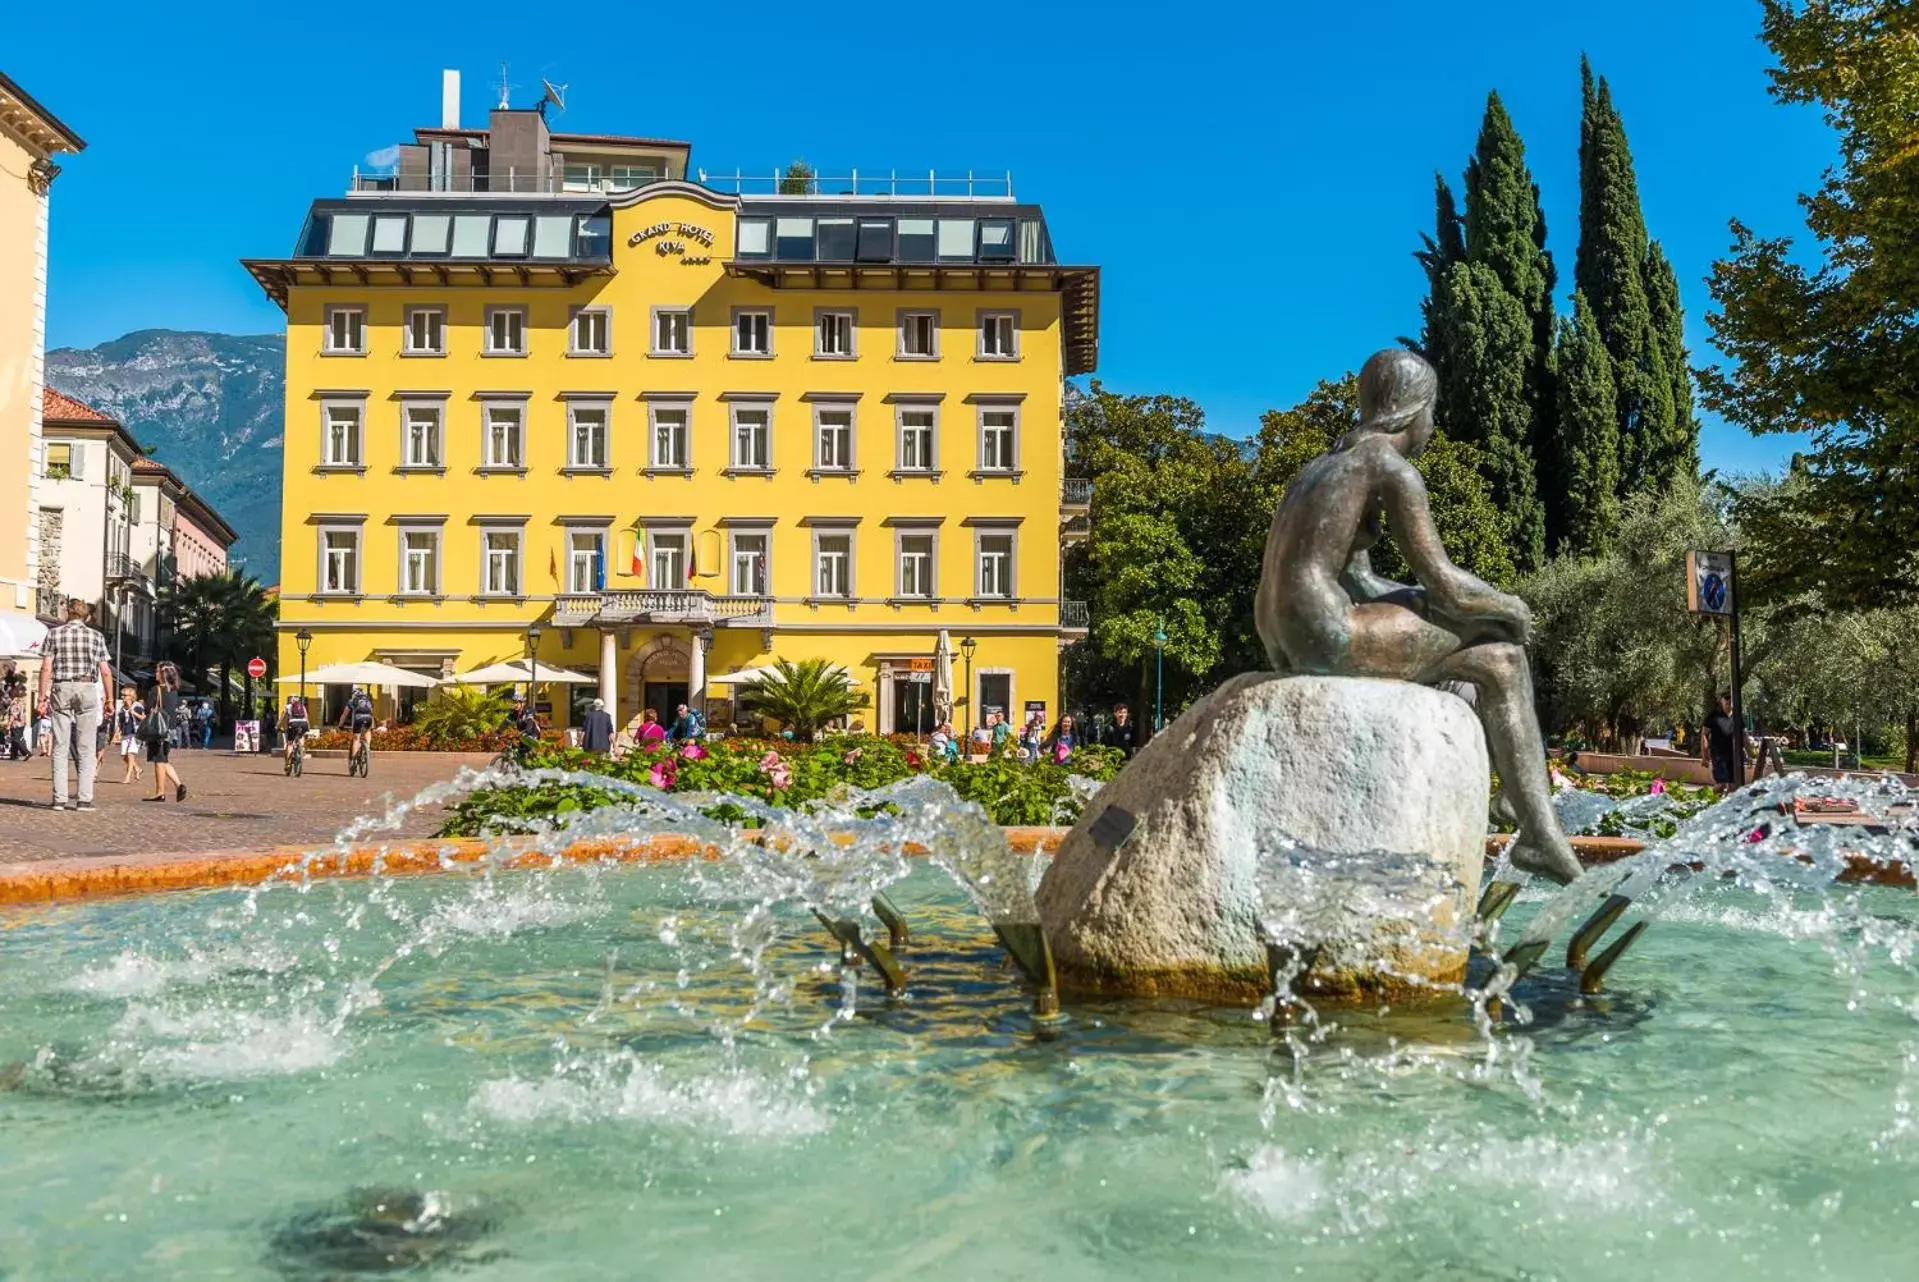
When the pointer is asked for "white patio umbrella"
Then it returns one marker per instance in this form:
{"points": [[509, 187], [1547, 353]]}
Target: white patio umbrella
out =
{"points": [[943, 677], [516, 671], [21, 636], [361, 674]]}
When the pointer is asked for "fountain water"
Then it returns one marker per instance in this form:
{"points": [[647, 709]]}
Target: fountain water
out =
{"points": [[664, 1070]]}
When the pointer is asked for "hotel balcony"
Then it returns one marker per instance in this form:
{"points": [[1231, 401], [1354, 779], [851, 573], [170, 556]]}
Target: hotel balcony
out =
{"points": [[1074, 621], [1075, 495], [625, 606], [123, 569]]}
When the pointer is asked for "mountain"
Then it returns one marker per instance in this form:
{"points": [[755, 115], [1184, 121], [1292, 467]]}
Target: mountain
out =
{"points": [[209, 406]]}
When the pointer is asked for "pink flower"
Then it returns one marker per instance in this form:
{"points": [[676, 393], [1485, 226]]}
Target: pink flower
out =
{"points": [[771, 761], [662, 775], [693, 752], [1659, 787], [854, 755], [1756, 836], [780, 777]]}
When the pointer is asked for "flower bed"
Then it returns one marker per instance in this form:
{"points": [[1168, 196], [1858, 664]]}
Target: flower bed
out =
{"points": [[1638, 816], [784, 774], [411, 739]]}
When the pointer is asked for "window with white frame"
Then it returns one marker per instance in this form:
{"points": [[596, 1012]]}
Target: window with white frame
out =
{"points": [[917, 449], [586, 437], [340, 561], [998, 440], [919, 335], [340, 433], [916, 565], [833, 438], [426, 331], [667, 450], [585, 560], [666, 559], [752, 438], [591, 336], [504, 429], [748, 577], [752, 333], [833, 565], [506, 331], [672, 332], [346, 331], [998, 336], [419, 562], [420, 435], [500, 568], [995, 565], [833, 334]]}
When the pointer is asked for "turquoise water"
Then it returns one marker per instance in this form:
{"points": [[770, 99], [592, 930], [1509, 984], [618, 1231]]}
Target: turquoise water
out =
{"points": [[662, 1072]]}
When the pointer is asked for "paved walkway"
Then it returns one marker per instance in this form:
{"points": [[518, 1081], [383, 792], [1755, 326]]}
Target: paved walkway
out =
{"points": [[233, 803]]}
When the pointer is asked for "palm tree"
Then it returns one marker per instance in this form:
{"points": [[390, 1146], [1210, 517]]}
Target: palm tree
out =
{"points": [[217, 621], [802, 696], [464, 712]]}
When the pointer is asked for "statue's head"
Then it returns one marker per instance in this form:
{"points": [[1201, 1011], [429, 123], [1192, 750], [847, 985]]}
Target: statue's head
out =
{"points": [[1396, 393]]}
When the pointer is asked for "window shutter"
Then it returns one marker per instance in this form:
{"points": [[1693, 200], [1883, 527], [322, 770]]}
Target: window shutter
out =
{"points": [[76, 461]]}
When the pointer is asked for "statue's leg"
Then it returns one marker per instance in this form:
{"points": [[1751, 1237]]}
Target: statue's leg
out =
{"points": [[1505, 707]]}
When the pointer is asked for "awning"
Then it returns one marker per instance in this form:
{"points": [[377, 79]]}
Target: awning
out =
{"points": [[362, 674], [21, 636], [514, 672]]}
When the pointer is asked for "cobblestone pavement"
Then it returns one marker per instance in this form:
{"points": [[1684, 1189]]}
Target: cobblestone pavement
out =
{"points": [[233, 803]]}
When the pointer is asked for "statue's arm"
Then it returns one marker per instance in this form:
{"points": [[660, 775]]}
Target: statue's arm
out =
{"points": [[1364, 584], [1453, 593]]}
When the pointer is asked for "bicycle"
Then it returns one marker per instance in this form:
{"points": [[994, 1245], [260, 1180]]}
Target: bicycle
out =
{"points": [[296, 756], [359, 759]]}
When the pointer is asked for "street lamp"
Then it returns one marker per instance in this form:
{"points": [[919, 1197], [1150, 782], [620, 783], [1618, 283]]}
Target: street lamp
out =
{"points": [[1159, 678], [533, 667], [303, 639], [967, 646]]}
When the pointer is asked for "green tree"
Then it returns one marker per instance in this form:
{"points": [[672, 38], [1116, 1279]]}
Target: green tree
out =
{"points": [[1825, 338], [1440, 250], [1614, 646], [1485, 402], [799, 179], [1175, 542], [1611, 271], [215, 623], [802, 696], [1585, 457]]}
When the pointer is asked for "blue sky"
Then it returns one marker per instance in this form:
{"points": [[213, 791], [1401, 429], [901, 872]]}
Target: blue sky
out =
{"points": [[1251, 178]]}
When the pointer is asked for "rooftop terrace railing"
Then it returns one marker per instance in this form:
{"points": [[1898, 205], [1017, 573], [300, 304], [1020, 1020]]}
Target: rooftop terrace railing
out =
{"points": [[509, 182], [869, 183]]}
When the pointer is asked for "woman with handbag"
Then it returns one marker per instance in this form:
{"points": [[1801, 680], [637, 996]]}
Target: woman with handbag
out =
{"points": [[163, 718]]}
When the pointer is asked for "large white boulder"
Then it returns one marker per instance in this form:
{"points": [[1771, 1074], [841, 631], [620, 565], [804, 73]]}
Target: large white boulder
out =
{"points": [[1347, 813]]}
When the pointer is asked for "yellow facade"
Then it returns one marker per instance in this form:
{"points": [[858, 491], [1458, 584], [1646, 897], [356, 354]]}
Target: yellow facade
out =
{"points": [[29, 138], [644, 640]]}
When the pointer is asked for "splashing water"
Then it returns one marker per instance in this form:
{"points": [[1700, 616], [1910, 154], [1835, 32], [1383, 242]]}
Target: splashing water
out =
{"points": [[667, 1070]]}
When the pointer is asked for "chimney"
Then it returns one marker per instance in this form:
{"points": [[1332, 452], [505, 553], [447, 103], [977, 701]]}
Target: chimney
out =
{"points": [[449, 99]]}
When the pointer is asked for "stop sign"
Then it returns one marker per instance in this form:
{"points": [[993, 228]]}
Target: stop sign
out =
{"points": [[256, 667]]}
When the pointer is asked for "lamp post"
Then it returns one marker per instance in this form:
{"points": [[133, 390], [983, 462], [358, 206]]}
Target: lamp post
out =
{"points": [[1159, 676], [967, 646], [533, 669], [303, 639]]}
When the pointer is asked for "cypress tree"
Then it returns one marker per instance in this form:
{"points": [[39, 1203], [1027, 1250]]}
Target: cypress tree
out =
{"points": [[1446, 246], [1611, 272], [1506, 232], [1679, 455], [1483, 396], [1585, 460]]}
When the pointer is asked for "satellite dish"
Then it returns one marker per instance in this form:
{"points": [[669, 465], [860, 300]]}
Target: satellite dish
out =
{"points": [[555, 94]]}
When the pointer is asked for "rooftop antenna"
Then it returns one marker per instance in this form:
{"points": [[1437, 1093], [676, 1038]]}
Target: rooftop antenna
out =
{"points": [[555, 94], [505, 88]]}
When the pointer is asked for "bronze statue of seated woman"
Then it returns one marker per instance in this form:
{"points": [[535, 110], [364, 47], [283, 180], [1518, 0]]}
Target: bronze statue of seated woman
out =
{"points": [[1322, 610]]}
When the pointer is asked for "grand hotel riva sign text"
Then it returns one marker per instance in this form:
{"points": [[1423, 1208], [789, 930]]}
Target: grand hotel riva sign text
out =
{"points": [[671, 238]]}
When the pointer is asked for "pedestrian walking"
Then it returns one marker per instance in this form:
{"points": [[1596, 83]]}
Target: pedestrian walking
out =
{"points": [[1065, 738], [165, 711], [1718, 741], [73, 670], [127, 716], [596, 728], [1122, 732]]}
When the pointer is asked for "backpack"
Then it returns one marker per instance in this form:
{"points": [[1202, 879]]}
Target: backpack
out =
{"points": [[360, 705], [296, 709]]}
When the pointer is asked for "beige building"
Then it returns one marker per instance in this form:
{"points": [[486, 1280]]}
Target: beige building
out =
{"points": [[30, 137]]}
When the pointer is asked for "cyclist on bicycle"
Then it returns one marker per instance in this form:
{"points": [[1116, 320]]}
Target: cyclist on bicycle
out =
{"points": [[358, 716], [294, 724]]}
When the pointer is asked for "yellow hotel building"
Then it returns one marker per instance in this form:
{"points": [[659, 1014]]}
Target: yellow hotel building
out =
{"points": [[538, 378]]}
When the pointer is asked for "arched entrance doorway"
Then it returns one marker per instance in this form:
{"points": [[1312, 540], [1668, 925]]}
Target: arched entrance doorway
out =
{"points": [[656, 677]]}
